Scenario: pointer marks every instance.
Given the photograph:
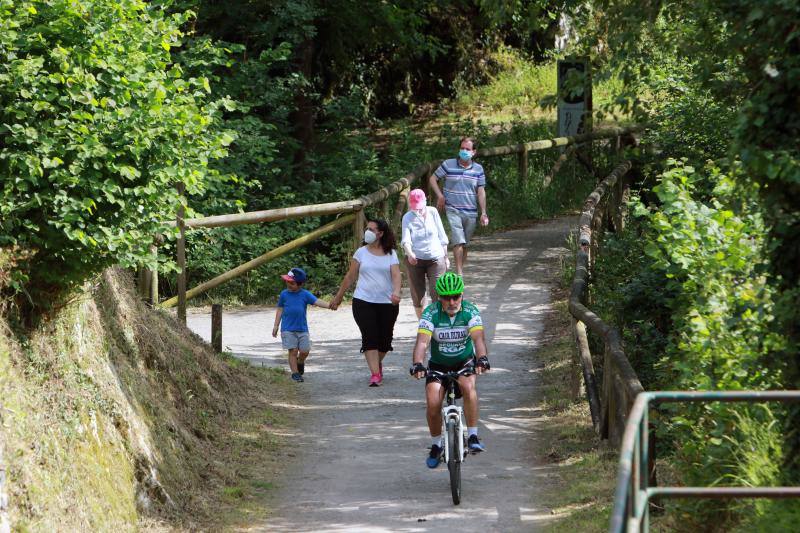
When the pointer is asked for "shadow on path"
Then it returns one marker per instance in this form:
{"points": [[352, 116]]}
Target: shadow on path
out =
{"points": [[360, 451]]}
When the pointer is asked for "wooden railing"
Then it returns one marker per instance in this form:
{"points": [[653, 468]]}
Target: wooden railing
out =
{"points": [[353, 211], [610, 403]]}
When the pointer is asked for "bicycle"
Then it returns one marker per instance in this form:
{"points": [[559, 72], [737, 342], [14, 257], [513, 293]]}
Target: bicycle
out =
{"points": [[454, 428]]}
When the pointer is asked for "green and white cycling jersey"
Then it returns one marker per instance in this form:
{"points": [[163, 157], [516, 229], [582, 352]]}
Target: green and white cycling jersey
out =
{"points": [[450, 337]]}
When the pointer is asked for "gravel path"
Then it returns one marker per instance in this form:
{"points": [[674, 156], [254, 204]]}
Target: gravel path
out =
{"points": [[359, 457]]}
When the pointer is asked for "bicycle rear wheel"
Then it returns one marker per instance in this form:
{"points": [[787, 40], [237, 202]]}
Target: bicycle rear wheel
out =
{"points": [[454, 461]]}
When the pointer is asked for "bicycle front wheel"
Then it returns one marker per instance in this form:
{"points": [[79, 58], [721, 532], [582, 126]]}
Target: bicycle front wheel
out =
{"points": [[454, 461]]}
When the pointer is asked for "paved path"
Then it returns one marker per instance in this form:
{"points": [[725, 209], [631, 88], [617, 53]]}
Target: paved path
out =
{"points": [[359, 458]]}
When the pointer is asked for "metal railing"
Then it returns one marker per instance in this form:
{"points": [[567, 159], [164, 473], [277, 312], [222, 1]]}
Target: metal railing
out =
{"points": [[634, 491]]}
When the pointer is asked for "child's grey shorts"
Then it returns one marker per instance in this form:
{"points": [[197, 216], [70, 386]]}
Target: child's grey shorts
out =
{"points": [[300, 340], [461, 227]]}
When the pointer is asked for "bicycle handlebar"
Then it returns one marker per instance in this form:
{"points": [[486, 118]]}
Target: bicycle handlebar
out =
{"points": [[466, 371]]}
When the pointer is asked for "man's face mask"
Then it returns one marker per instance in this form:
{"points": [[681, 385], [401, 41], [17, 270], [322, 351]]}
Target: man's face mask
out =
{"points": [[464, 154]]}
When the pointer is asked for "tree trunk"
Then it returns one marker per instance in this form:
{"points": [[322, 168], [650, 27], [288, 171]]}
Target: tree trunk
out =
{"points": [[303, 116]]}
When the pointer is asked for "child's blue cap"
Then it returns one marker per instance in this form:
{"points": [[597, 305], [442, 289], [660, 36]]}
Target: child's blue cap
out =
{"points": [[296, 274]]}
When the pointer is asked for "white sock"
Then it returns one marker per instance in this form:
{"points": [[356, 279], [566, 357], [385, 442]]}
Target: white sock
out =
{"points": [[437, 441], [472, 431]]}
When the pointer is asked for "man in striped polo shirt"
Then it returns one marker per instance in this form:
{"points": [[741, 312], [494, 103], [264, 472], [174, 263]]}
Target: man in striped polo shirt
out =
{"points": [[462, 196]]}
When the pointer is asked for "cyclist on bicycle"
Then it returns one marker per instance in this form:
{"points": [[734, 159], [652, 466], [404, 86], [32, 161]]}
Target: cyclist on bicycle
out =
{"points": [[454, 329]]}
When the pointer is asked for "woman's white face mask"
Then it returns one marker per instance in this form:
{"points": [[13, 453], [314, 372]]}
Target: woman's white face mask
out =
{"points": [[369, 236]]}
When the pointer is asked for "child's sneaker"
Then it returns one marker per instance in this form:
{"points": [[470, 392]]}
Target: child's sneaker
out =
{"points": [[375, 380], [297, 377], [301, 368]]}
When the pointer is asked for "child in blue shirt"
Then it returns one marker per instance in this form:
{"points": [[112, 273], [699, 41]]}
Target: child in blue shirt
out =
{"points": [[291, 316]]}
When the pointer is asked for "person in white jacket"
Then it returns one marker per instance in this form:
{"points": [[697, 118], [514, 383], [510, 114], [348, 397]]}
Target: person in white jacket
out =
{"points": [[425, 244]]}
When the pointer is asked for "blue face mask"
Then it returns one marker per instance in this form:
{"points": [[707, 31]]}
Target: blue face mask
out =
{"points": [[464, 155]]}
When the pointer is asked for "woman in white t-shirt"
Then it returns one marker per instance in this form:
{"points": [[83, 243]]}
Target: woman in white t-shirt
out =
{"points": [[425, 244], [376, 300]]}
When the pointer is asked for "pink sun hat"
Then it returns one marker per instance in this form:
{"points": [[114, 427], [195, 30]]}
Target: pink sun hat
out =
{"points": [[416, 199]]}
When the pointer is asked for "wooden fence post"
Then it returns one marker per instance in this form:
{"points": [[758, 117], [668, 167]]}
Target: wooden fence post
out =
{"points": [[181, 257], [624, 198], [399, 210], [597, 228], [425, 185], [143, 283], [522, 165], [153, 275], [359, 225], [575, 371], [216, 327], [607, 404]]}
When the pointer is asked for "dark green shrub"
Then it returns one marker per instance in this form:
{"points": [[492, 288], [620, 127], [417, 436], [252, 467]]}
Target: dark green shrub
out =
{"points": [[686, 284], [97, 126]]}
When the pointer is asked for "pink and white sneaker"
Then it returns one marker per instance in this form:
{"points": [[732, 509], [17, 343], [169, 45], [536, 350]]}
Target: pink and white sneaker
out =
{"points": [[375, 380]]}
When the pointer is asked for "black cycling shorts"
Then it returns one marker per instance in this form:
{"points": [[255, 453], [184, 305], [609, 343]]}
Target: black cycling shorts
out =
{"points": [[450, 368], [376, 322]]}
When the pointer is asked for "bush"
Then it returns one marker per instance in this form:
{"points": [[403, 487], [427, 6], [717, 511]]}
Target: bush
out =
{"points": [[97, 128], [690, 294]]}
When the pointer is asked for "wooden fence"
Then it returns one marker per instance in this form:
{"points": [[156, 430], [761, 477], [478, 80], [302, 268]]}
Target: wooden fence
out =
{"points": [[353, 211], [610, 403]]}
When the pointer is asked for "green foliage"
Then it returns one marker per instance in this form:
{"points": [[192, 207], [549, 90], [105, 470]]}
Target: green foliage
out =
{"points": [[736, 64], [632, 295], [745, 56], [712, 258], [98, 126], [688, 283], [688, 280], [307, 78], [517, 82], [688, 122], [357, 166], [519, 88]]}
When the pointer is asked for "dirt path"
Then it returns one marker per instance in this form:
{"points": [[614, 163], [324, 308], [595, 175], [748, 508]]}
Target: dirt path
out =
{"points": [[359, 458]]}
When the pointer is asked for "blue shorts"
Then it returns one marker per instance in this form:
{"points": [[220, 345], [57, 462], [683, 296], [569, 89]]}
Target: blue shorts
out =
{"points": [[296, 340], [462, 226]]}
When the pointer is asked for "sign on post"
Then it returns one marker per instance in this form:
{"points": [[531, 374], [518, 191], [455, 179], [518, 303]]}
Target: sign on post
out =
{"points": [[574, 97]]}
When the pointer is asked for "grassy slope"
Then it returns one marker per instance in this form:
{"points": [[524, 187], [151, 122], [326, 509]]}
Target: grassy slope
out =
{"points": [[570, 448], [117, 417], [515, 92]]}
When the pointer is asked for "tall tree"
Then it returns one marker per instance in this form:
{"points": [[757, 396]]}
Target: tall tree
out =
{"points": [[391, 54]]}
